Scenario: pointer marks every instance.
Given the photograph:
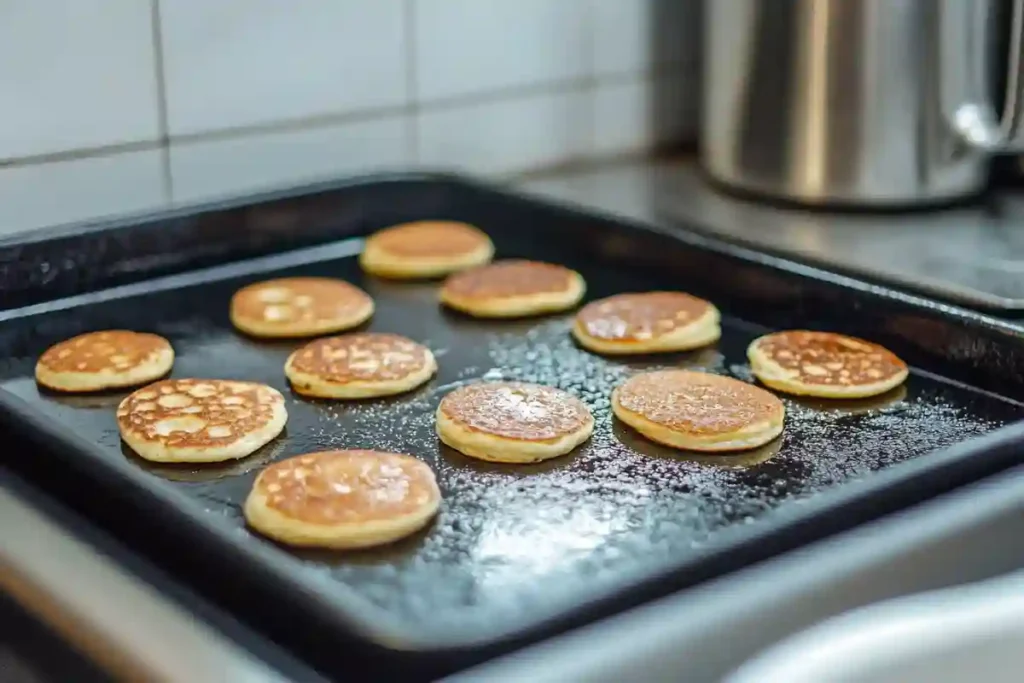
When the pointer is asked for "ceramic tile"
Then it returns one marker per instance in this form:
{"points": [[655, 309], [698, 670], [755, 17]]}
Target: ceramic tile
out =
{"points": [[507, 136], [643, 113], [70, 80], [468, 46], [39, 195], [203, 170], [234, 63], [641, 35]]}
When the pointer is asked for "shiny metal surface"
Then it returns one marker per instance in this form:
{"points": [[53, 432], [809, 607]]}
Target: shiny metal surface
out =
{"points": [[868, 103], [956, 635], [124, 625], [972, 255]]}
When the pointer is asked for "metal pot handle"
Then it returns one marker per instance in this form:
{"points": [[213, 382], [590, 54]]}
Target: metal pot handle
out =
{"points": [[963, 76]]}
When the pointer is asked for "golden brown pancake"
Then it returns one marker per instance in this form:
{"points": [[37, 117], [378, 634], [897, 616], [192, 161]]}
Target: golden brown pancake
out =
{"points": [[825, 364], [647, 322], [299, 307], [512, 289], [104, 360], [359, 365], [513, 422], [698, 411], [343, 499], [200, 420], [425, 249]]}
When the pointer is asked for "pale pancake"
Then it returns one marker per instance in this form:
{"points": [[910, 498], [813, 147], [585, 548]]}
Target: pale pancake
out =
{"points": [[648, 322], [513, 422], [825, 364], [200, 420], [343, 499], [359, 365], [698, 411], [104, 360], [513, 289], [425, 249], [299, 307]]}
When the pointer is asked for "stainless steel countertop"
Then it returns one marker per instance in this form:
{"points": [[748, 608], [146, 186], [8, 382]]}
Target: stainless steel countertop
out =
{"points": [[972, 255], [111, 616]]}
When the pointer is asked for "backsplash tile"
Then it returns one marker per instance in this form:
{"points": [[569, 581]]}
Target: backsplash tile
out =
{"points": [[248, 94], [638, 36], [202, 170], [506, 136], [39, 195], [236, 63], [644, 112], [75, 74], [466, 47]]}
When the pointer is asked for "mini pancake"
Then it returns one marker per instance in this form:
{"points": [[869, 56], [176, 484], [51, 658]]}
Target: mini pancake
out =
{"points": [[299, 307], [698, 411], [104, 360], [425, 249], [513, 422], [343, 499], [200, 420], [359, 365], [513, 289], [647, 323], [825, 364]]}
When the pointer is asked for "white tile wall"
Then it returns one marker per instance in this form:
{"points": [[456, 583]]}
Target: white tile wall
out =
{"points": [[249, 163], [467, 47], [510, 135], [38, 195], [233, 63], [251, 93], [69, 80], [644, 111]]}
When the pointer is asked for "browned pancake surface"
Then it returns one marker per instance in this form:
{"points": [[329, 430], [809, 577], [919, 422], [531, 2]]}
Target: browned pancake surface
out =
{"points": [[509, 278], [516, 410], [348, 487], [638, 317], [197, 413], [365, 356], [697, 402], [831, 359], [110, 350], [429, 238], [298, 300]]}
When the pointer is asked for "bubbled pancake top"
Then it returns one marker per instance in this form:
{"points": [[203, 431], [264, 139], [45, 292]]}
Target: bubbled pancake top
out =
{"points": [[509, 278], [108, 351], [299, 299], [364, 356], [429, 238], [830, 359], [197, 413], [516, 410], [637, 317], [348, 487], [697, 402]]}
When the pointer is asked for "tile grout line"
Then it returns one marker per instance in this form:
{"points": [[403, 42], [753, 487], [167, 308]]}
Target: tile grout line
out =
{"points": [[161, 99], [412, 86], [325, 120], [591, 77], [81, 153]]}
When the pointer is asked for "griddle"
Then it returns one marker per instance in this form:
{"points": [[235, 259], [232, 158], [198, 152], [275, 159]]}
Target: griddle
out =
{"points": [[518, 552]]}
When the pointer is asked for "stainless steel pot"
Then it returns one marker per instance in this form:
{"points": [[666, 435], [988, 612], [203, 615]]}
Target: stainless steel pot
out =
{"points": [[873, 103]]}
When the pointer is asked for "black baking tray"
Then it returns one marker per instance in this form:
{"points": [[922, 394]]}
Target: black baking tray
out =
{"points": [[518, 552]]}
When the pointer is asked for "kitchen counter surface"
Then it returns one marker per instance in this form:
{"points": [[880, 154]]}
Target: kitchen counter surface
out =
{"points": [[972, 255], [907, 249]]}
